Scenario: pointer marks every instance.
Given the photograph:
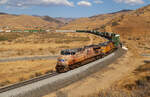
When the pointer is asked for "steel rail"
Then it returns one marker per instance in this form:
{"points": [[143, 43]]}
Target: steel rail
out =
{"points": [[36, 79], [20, 84]]}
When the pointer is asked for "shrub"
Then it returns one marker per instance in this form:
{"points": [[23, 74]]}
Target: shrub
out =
{"points": [[103, 27], [32, 76], [115, 23], [9, 36], [49, 71], [5, 83], [22, 79], [38, 74]]}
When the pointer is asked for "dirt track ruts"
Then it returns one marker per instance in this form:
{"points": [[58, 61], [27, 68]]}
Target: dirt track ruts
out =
{"points": [[27, 58]]}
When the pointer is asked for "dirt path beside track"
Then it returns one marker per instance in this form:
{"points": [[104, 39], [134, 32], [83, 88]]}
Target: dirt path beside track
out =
{"points": [[27, 58]]}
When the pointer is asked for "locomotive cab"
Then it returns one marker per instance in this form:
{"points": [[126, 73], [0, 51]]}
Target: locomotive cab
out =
{"points": [[63, 60]]}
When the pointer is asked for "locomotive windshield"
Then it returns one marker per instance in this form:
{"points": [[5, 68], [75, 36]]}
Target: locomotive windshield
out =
{"points": [[71, 51], [67, 52]]}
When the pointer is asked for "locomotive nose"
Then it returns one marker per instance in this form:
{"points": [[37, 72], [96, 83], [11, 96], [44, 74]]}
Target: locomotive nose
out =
{"points": [[61, 62], [61, 66]]}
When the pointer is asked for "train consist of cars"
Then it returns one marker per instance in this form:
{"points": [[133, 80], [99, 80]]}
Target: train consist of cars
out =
{"points": [[73, 58]]}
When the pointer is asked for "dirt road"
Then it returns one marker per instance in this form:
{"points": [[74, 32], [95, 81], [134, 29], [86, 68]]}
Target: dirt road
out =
{"points": [[27, 58]]}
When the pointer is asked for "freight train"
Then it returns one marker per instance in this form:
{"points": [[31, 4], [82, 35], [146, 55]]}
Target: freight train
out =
{"points": [[74, 58]]}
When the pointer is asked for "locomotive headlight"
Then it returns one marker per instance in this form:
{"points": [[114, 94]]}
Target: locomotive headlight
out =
{"points": [[62, 61]]}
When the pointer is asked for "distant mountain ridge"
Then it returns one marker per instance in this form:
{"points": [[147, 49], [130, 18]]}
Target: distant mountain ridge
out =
{"points": [[124, 10], [2, 13], [65, 20], [124, 21], [12, 21], [50, 19], [93, 22]]}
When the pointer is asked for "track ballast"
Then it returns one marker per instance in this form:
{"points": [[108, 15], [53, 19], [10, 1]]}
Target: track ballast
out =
{"points": [[39, 78], [21, 84]]}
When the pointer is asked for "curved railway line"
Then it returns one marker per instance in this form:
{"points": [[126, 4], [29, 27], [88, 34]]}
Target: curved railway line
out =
{"points": [[17, 85], [37, 79]]}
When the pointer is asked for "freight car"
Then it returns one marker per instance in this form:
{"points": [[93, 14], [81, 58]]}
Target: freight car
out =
{"points": [[73, 58]]}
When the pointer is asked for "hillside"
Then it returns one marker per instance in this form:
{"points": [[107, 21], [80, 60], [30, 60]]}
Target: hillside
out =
{"points": [[137, 21], [94, 22], [64, 20], [125, 21], [133, 26], [9, 21], [126, 76], [134, 29], [50, 19]]}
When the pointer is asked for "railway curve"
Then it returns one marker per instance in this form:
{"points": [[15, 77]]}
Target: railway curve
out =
{"points": [[42, 85]]}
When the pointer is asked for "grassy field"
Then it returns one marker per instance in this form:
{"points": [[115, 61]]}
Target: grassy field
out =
{"points": [[12, 72], [31, 44]]}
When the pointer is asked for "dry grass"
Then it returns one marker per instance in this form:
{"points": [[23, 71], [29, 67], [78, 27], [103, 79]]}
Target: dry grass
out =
{"points": [[25, 22], [134, 28], [94, 22], [135, 85], [124, 23], [44, 43], [30, 44], [139, 78], [12, 72]]}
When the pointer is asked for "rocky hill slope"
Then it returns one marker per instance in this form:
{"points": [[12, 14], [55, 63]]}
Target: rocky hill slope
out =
{"points": [[123, 21], [136, 21], [94, 22], [65, 20], [9, 21], [132, 25]]}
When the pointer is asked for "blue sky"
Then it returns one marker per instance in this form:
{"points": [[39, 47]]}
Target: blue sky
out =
{"points": [[68, 8]]}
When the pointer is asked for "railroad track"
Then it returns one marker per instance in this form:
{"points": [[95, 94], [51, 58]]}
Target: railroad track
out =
{"points": [[31, 81], [52, 82], [21, 84]]}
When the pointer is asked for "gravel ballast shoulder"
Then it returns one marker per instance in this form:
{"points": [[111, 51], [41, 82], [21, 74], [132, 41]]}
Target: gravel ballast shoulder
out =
{"points": [[51, 84]]}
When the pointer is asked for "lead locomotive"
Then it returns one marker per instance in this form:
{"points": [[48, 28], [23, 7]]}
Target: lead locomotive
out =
{"points": [[73, 58]]}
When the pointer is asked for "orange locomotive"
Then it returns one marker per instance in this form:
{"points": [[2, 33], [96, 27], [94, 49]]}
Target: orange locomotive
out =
{"points": [[73, 58]]}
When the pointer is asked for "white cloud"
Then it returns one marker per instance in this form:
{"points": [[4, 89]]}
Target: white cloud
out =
{"points": [[98, 1], [84, 3], [132, 2], [21, 3], [3, 1]]}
